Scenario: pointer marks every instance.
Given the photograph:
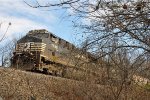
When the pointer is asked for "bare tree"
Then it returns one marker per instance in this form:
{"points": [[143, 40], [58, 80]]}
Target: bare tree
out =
{"points": [[3, 50], [127, 20], [118, 31]]}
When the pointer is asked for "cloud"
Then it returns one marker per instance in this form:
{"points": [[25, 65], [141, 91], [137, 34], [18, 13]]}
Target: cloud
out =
{"points": [[19, 26], [20, 9], [23, 17]]}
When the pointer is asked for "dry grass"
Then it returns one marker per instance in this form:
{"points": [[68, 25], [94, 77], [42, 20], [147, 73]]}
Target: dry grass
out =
{"points": [[22, 85]]}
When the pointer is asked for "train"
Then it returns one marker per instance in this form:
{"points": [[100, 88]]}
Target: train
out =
{"points": [[42, 51]]}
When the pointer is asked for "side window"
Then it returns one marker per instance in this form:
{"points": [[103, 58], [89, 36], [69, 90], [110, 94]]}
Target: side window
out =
{"points": [[54, 39]]}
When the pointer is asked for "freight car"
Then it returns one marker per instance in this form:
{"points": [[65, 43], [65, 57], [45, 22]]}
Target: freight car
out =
{"points": [[43, 51]]}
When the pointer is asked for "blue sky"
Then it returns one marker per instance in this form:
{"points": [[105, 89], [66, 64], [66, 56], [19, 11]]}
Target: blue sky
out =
{"points": [[24, 18]]}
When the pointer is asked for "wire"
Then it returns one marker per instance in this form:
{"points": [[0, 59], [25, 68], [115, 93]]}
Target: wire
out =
{"points": [[5, 32]]}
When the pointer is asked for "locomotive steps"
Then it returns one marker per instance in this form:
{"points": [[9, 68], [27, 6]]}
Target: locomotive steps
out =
{"points": [[17, 84]]}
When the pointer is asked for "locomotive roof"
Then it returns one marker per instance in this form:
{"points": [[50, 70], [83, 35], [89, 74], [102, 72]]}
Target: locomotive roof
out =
{"points": [[42, 31]]}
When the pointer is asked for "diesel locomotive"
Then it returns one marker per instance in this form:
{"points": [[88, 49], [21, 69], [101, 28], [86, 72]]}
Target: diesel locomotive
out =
{"points": [[40, 50]]}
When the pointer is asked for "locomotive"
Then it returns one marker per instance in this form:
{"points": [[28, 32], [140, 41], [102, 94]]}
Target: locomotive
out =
{"points": [[40, 50]]}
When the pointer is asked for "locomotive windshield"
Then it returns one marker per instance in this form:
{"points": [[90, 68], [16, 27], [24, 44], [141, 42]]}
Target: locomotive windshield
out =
{"points": [[39, 33], [44, 35]]}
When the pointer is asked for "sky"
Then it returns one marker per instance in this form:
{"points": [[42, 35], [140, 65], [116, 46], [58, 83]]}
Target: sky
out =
{"points": [[24, 18]]}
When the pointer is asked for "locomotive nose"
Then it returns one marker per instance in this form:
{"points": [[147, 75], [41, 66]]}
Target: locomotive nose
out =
{"points": [[30, 43]]}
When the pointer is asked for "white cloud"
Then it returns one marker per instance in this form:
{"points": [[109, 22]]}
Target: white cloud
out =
{"points": [[19, 26], [25, 18], [18, 8], [22, 17]]}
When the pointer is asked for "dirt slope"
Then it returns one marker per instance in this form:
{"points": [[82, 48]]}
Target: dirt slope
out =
{"points": [[22, 85]]}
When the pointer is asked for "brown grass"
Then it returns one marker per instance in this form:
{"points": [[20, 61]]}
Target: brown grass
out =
{"points": [[22, 85]]}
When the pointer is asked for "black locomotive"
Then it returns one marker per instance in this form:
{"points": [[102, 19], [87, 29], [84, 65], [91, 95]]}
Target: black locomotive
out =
{"points": [[43, 51]]}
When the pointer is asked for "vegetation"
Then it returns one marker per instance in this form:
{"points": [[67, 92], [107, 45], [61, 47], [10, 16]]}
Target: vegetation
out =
{"points": [[117, 34], [17, 84]]}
